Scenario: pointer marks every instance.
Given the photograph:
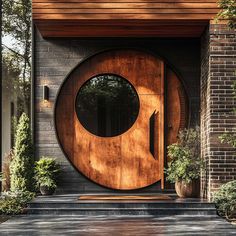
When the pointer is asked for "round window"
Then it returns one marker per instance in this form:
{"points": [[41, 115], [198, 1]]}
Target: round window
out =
{"points": [[107, 105]]}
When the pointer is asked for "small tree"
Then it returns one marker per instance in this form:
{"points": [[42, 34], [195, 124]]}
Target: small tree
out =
{"points": [[16, 25], [21, 168]]}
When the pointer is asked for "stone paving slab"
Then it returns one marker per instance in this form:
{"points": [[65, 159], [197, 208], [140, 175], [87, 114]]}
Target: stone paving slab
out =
{"points": [[32, 225]]}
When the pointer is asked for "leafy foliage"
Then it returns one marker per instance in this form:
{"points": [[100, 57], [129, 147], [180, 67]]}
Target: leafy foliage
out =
{"points": [[185, 163], [47, 182], [228, 12], [14, 85], [11, 72], [12, 203], [46, 172], [230, 137], [16, 25], [14, 123], [225, 199], [21, 167], [110, 96]]}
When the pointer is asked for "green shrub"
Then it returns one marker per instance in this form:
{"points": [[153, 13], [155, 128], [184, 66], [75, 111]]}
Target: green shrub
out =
{"points": [[47, 182], [12, 203], [185, 162], [225, 199], [228, 12], [46, 172], [21, 167]]}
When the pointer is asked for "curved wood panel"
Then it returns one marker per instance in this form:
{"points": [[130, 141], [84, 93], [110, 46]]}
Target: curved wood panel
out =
{"points": [[176, 111], [177, 106]]}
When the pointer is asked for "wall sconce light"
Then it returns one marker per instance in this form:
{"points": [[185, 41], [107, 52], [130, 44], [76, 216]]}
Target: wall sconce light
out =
{"points": [[45, 93]]}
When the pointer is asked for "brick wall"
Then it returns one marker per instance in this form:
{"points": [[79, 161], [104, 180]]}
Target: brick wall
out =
{"points": [[55, 58], [205, 94], [218, 66]]}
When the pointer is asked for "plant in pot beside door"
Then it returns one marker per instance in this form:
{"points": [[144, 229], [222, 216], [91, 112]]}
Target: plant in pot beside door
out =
{"points": [[46, 175], [185, 165]]}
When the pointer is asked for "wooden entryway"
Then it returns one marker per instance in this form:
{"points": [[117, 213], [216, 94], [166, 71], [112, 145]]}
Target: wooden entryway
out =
{"points": [[99, 138]]}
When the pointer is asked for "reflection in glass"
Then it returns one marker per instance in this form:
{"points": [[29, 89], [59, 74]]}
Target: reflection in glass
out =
{"points": [[107, 105]]}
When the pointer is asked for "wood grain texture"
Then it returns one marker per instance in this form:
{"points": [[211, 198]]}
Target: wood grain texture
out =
{"points": [[124, 1], [117, 28], [124, 161], [177, 112], [51, 15], [125, 197]]}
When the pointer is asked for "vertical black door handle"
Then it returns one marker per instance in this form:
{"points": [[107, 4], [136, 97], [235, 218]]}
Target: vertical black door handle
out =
{"points": [[153, 134]]}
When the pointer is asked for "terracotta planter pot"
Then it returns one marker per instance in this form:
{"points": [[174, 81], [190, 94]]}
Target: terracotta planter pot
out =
{"points": [[188, 190], [46, 191]]}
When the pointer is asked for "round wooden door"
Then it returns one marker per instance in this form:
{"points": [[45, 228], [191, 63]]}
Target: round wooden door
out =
{"points": [[132, 158], [110, 119]]}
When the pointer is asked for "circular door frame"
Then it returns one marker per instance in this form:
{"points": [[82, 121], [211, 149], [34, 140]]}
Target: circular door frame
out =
{"points": [[67, 77]]}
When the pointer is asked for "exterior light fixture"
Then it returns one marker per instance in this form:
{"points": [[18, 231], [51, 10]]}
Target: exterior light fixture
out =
{"points": [[45, 93]]}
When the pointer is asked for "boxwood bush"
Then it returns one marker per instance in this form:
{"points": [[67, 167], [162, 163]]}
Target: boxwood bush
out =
{"points": [[46, 172], [225, 200], [21, 167], [12, 203]]}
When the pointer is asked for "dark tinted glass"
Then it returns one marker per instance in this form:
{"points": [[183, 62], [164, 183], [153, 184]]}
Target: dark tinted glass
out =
{"points": [[107, 105]]}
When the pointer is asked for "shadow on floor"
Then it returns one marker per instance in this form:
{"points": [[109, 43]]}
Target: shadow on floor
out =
{"points": [[109, 225]]}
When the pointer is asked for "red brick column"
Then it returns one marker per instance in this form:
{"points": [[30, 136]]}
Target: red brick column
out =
{"points": [[218, 71]]}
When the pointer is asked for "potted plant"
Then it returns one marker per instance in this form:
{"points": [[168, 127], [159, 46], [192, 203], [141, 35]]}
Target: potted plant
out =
{"points": [[46, 175], [185, 164]]}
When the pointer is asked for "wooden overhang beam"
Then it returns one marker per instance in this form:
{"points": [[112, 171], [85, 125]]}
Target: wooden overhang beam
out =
{"points": [[123, 18]]}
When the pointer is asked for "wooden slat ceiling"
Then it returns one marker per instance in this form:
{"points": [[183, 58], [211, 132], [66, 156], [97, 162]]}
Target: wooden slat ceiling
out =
{"points": [[90, 18]]}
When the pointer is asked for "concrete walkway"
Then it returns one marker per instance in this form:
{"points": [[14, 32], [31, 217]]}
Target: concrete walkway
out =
{"points": [[109, 225]]}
